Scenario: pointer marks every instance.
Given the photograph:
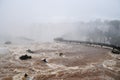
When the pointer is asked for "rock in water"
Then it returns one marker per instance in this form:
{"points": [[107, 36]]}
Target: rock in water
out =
{"points": [[21, 77], [115, 51], [60, 54], [25, 57], [30, 51], [44, 60], [8, 42]]}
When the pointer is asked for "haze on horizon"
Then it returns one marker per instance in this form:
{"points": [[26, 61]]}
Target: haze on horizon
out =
{"points": [[31, 18]]}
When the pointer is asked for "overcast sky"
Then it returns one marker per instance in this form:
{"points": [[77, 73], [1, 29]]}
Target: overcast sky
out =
{"points": [[58, 10], [15, 15]]}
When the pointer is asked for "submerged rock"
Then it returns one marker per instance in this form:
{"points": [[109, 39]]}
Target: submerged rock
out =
{"points": [[8, 42], [29, 51]]}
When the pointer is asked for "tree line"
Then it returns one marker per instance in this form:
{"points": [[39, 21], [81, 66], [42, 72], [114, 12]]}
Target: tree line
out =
{"points": [[111, 35]]}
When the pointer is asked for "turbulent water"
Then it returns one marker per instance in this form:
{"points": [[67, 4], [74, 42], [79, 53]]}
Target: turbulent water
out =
{"points": [[65, 61]]}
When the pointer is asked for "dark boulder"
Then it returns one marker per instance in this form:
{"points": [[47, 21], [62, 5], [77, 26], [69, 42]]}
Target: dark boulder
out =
{"points": [[25, 57], [25, 75], [60, 54], [114, 51], [44, 60]]}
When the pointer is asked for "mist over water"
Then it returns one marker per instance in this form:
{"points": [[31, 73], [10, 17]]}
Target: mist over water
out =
{"points": [[59, 39], [40, 20]]}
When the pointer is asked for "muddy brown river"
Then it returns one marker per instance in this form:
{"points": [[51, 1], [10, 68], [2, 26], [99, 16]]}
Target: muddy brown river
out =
{"points": [[65, 61]]}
